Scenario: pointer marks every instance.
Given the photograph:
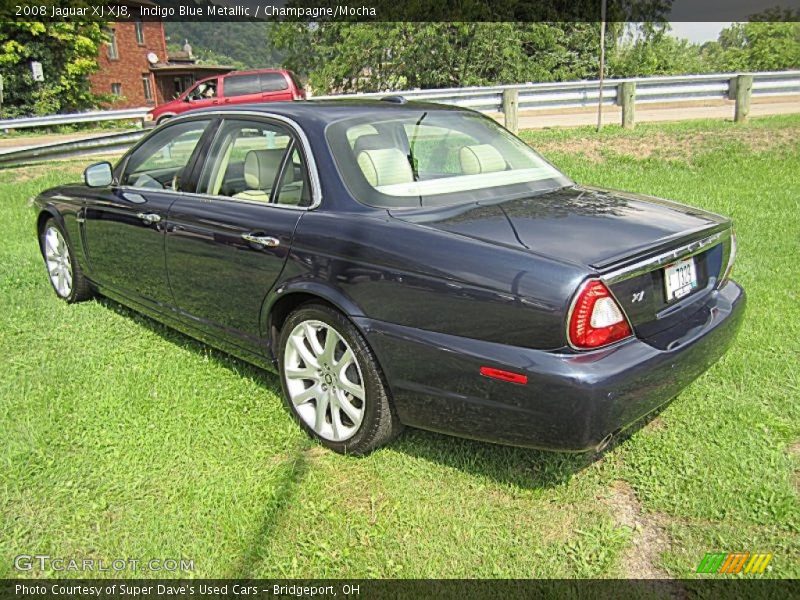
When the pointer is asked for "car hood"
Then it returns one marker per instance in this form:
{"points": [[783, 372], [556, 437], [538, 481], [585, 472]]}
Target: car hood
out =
{"points": [[588, 226]]}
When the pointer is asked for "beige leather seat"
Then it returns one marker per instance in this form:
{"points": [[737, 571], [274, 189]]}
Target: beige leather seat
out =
{"points": [[260, 169], [291, 189], [481, 158], [385, 166]]}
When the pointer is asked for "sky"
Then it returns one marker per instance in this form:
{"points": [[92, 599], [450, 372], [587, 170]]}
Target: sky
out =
{"points": [[698, 32]]}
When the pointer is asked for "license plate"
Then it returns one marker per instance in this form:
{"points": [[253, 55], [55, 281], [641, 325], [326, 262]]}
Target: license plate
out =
{"points": [[680, 279]]}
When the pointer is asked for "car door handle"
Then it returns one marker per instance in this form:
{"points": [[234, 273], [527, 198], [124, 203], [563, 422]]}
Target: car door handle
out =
{"points": [[261, 240], [149, 218]]}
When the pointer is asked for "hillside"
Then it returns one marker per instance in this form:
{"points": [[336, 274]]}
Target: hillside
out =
{"points": [[245, 45]]}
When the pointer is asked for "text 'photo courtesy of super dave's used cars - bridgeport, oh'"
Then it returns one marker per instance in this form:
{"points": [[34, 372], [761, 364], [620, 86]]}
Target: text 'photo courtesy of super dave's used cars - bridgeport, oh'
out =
{"points": [[403, 264]]}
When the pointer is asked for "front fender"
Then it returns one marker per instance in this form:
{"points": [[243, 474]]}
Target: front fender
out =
{"points": [[65, 215]]}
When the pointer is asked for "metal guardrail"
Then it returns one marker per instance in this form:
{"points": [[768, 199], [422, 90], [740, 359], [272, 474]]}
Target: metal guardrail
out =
{"points": [[530, 96], [584, 94], [94, 145], [94, 116]]}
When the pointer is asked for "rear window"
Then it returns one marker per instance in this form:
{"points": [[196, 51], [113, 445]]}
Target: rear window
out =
{"points": [[273, 82], [240, 85], [419, 158]]}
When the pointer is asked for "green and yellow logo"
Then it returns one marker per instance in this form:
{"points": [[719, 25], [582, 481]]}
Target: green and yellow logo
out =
{"points": [[733, 562]]}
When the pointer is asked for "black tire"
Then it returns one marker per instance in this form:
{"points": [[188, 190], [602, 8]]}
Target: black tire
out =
{"points": [[379, 424], [80, 289], [163, 120]]}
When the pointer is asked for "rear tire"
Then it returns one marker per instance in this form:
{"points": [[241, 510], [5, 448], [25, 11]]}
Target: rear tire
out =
{"points": [[63, 270], [332, 383]]}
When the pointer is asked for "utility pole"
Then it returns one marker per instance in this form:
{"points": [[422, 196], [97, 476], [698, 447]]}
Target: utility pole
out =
{"points": [[602, 62]]}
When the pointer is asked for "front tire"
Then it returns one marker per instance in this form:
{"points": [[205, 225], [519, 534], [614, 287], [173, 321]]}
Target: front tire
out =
{"points": [[63, 270], [332, 382]]}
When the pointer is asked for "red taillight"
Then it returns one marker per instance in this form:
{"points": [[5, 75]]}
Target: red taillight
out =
{"points": [[595, 318], [504, 375]]}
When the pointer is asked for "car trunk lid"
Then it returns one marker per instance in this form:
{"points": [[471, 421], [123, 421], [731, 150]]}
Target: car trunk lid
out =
{"points": [[627, 239]]}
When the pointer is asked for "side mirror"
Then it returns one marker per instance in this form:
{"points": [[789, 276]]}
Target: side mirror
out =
{"points": [[98, 174]]}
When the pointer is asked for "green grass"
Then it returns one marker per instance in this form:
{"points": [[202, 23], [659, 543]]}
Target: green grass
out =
{"points": [[122, 438]]}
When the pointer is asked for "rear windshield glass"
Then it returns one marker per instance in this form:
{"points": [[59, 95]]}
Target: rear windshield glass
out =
{"points": [[273, 82], [435, 158]]}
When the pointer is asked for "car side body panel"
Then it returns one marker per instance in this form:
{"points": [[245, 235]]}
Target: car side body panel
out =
{"points": [[433, 280]]}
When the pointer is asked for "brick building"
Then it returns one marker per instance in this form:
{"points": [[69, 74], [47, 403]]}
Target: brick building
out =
{"points": [[136, 68]]}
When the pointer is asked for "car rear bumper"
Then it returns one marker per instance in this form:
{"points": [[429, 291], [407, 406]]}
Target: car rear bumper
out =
{"points": [[571, 402]]}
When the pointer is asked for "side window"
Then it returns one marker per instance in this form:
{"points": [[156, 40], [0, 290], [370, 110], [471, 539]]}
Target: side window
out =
{"points": [[203, 90], [241, 85], [273, 82], [245, 160], [294, 188], [160, 161]]}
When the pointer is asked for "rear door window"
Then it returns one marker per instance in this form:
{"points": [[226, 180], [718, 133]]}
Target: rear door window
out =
{"points": [[245, 160], [242, 85]]}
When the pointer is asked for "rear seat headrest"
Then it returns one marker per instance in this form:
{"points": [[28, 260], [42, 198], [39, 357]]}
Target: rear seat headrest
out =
{"points": [[372, 141], [481, 158], [385, 166]]}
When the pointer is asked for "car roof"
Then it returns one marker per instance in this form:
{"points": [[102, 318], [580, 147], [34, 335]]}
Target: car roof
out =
{"points": [[256, 71], [329, 111]]}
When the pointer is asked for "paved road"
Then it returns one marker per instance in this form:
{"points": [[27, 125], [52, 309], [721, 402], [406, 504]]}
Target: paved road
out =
{"points": [[612, 115], [9, 143]]}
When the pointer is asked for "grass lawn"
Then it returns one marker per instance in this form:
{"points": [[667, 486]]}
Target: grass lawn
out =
{"points": [[122, 438]]}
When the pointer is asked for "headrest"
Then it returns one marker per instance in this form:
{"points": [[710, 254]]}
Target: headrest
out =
{"points": [[261, 167], [481, 158], [372, 141], [385, 166]]}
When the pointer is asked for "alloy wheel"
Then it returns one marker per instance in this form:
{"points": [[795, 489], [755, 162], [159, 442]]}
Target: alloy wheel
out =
{"points": [[324, 381], [59, 265]]}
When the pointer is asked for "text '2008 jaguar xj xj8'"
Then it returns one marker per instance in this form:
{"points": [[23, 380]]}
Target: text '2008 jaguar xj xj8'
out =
{"points": [[403, 263]]}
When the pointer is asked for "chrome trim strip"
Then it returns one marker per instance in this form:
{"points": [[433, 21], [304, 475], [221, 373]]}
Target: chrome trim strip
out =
{"points": [[311, 164], [655, 262]]}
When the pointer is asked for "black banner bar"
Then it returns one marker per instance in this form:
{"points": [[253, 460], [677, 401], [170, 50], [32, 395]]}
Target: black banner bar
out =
{"points": [[261, 589], [398, 10]]}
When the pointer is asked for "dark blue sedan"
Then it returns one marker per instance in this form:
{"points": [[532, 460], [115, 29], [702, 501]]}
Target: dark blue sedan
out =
{"points": [[403, 263]]}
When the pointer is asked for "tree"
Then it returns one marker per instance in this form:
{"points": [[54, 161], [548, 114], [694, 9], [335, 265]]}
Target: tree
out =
{"points": [[770, 41], [650, 50], [68, 54], [363, 57]]}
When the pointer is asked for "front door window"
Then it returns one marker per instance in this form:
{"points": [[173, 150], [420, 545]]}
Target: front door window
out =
{"points": [[159, 162]]}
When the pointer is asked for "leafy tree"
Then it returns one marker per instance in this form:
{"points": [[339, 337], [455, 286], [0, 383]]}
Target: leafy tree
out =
{"points": [[650, 50], [68, 53], [353, 57], [770, 41], [206, 56]]}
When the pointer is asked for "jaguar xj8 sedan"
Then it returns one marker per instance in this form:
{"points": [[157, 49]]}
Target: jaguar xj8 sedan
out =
{"points": [[402, 263]]}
